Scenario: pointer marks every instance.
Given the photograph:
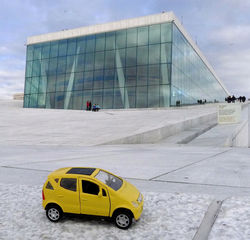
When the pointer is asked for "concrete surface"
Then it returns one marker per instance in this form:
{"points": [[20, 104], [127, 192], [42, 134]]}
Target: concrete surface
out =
{"points": [[216, 171], [20, 126]]}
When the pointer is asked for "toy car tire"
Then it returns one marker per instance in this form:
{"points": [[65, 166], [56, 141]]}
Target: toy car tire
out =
{"points": [[54, 213], [123, 219]]}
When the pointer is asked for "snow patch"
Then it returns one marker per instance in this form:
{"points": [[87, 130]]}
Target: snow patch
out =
{"points": [[165, 216], [233, 221]]}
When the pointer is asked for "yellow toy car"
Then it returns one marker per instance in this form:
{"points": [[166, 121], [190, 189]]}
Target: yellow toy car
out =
{"points": [[91, 191]]}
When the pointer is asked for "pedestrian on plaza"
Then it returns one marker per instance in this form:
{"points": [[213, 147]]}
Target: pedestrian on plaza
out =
{"points": [[90, 105], [87, 105]]}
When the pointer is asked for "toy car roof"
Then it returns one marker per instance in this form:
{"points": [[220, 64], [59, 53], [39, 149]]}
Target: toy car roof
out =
{"points": [[73, 170]]}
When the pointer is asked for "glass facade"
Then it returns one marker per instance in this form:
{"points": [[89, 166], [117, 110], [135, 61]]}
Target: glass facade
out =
{"points": [[143, 67], [191, 79]]}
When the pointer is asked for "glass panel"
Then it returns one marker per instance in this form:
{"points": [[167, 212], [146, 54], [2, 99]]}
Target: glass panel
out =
{"points": [[51, 83], [27, 85], [166, 32], [131, 96], [33, 101], [50, 100], [80, 62], [100, 42], [90, 188], [69, 183], [30, 51], [108, 96], [89, 61], [62, 48], [54, 49], [166, 53], [164, 95], [120, 58], [131, 57], [52, 66], [71, 46], [28, 72], [41, 100], [121, 39], [97, 97], [36, 68], [142, 55], [60, 82], [44, 67], [153, 96], [119, 80], [34, 85], [142, 75], [110, 40], [90, 44], [118, 97], [61, 65], [165, 73], [131, 37], [109, 76], [141, 97], [77, 100], [45, 50], [142, 35], [130, 77], [70, 61], [98, 79], [37, 52], [26, 101], [154, 74], [78, 81], [154, 34], [88, 80], [69, 99], [81, 44], [112, 181], [59, 100], [154, 54], [43, 84], [99, 60], [109, 59]]}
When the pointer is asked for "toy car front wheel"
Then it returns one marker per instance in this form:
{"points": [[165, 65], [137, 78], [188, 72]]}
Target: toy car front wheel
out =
{"points": [[54, 213], [123, 220]]}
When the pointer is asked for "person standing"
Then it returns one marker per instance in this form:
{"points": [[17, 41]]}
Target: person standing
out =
{"points": [[87, 105], [90, 105]]}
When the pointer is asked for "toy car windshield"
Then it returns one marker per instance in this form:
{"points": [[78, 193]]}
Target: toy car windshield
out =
{"points": [[109, 179]]}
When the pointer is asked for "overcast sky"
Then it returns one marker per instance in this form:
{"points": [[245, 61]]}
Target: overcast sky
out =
{"points": [[220, 27]]}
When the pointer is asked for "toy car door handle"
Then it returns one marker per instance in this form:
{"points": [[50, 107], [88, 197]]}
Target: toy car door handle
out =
{"points": [[61, 196], [83, 199]]}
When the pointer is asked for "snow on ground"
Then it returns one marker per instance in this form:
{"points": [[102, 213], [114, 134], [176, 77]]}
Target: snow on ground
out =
{"points": [[233, 221], [165, 216]]}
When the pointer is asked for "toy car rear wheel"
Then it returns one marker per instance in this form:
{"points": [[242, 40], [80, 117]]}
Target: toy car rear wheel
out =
{"points": [[54, 213], [123, 219]]}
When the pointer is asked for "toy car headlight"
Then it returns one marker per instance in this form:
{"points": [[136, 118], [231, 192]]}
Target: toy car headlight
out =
{"points": [[139, 198]]}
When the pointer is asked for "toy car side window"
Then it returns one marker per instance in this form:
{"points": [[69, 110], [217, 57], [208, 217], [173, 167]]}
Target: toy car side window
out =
{"points": [[90, 187], [49, 186], [104, 194], [68, 183]]}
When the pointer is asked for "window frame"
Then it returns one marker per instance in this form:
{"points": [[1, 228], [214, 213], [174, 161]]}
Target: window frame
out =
{"points": [[92, 182], [63, 178]]}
